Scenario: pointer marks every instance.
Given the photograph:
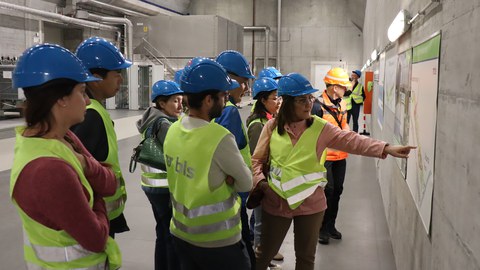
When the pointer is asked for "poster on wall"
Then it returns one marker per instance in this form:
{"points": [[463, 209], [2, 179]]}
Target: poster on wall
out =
{"points": [[423, 119], [390, 81], [379, 88], [401, 124]]}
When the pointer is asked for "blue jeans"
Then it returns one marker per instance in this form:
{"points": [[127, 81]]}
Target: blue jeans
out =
{"points": [[165, 254]]}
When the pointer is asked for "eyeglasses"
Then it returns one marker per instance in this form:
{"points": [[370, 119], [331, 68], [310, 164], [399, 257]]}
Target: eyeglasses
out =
{"points": [[305, 100]]}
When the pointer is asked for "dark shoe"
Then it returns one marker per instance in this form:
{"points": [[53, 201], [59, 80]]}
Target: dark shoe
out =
{"points": [[324, 238], [335, 234]]}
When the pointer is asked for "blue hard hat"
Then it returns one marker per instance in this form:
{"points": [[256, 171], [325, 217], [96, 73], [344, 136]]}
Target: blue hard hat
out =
{"points": [[358, 72], [165, 88], [234, 62], [45, 62], [270, 72], [202, 74], [294, 84], [97, 52], [264, 85], [178, 75]]}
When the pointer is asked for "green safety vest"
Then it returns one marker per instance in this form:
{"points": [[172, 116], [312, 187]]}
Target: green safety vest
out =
{"points": [[116, 203], [200, 215], [47, 248], [152, 177], [357, 94], [245, 151], [295, 171], [263, 121]]}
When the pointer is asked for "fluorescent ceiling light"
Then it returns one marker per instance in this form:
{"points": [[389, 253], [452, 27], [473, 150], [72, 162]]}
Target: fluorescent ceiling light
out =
{"points": [[374, 55], [399, 26], [368, 62]]}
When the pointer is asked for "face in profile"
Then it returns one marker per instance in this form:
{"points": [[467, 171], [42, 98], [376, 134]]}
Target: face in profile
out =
{"points": [[219, 101], [75, 104], [272, 102], [239, 92], [110, 85], [173, 107]]}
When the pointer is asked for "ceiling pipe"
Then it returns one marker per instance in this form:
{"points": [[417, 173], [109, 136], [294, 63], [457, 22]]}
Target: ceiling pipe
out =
{"points": [[424, 10], [59, 17], [115, 20], [279, 31], [267, 39], [112, 7]]}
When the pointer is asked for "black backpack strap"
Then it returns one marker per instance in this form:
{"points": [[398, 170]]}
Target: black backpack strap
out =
{"points": [[334, 113]]}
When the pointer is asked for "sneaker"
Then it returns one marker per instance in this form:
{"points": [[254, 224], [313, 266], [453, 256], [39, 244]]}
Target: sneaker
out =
{"points": [[324, 238], [335, 234], [278, 257]]}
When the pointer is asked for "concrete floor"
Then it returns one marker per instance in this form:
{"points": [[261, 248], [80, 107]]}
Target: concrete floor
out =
{"points": [[365, 244]]}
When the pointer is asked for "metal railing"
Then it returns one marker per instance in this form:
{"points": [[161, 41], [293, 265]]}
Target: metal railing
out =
{"points": [[164, 61]]}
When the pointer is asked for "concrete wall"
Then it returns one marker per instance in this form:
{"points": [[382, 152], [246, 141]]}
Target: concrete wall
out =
{"points": [[311, 30], [455, 227]]}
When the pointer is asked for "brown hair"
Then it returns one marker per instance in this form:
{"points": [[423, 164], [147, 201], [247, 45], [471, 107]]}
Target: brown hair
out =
{"points": [[286, 114], [40, 100], [259, 111]]}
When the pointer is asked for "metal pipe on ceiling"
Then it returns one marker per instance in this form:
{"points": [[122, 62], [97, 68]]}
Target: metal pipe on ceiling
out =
{"points": [[128, 45], [279, 30], [114, 8], [59, 17], [267, 39]]}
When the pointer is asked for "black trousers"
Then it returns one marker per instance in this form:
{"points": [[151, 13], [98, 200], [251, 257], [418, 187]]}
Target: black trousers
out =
{"points": [[333, 190], [233, 257], [355, 112]]}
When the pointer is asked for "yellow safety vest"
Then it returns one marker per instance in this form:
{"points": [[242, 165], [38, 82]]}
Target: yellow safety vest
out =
{"points": [[295, 171], [116, 203], [200, 215], [46, 248]]}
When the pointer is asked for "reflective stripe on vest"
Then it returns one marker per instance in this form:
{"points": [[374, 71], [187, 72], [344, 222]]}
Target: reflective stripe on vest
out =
{"points": [[57, 254], [46, 248], [296, 171], [200, 214], [101, 266], [116, 203], [333, 154], [205, 210], [297, 182], [152, 177], [357, 94]]}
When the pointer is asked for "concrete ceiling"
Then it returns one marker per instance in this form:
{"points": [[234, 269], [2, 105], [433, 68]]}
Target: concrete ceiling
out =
{"points": [[357, 12]]}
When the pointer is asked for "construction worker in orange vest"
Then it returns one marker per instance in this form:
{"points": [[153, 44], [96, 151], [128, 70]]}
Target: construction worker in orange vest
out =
{"points": [[331, 107]]}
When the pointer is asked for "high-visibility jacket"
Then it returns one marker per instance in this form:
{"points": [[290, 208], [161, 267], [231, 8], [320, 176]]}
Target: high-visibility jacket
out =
{"points": [[341, 113], [356, 95], [116, 203], [46, 248], [296, 171], [245, 151], [263, 121], [152, 177], [200, 215]]}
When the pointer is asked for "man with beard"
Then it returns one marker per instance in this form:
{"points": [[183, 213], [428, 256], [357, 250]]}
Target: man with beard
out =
{"points": [[205, 170]]}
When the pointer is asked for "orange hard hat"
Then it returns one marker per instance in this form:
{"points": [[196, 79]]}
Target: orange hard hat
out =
{"points": [[337, 76]]}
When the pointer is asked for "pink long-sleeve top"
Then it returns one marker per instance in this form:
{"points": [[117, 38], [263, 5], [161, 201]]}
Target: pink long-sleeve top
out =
{"points": [[49, 191], [331, 137]]}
